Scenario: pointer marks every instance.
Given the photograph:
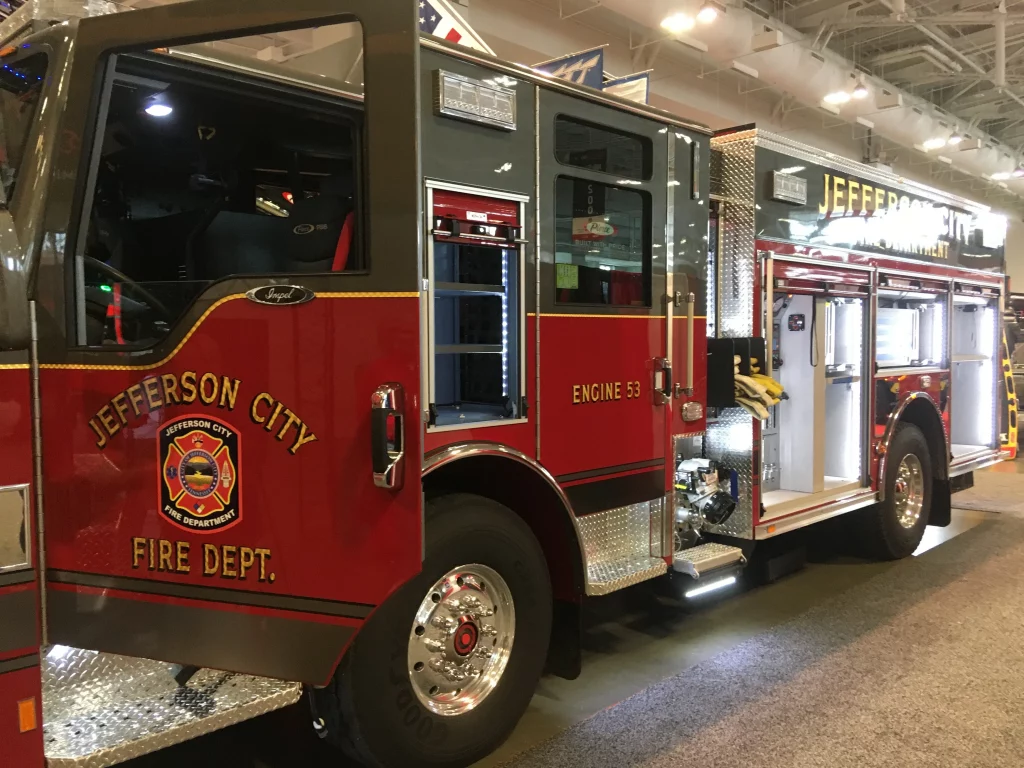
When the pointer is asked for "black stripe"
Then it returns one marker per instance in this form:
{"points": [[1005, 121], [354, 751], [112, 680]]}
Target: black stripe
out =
{"points": [[610, 470], [19, 662], [18, 620], [600, 495], [269, 646], [217, 594], [20, 577]]}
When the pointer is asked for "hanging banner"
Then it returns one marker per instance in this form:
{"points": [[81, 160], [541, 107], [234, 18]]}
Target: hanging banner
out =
{"points": [[439, 19], [583, 68], [635, 87]]}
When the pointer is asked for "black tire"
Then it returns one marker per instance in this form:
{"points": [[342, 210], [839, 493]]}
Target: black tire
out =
{"points": [[370, 708], [882, 534]]}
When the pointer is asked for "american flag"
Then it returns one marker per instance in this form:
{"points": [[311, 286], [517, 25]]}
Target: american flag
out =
{"points": [[439, 20]]}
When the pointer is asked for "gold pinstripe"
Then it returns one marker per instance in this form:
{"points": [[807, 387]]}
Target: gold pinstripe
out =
{"points": [[194, 328], [14, 367], [619, 317]]}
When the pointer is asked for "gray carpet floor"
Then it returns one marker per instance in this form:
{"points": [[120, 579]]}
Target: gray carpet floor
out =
{"points": [[994, 491], [921, 666]]}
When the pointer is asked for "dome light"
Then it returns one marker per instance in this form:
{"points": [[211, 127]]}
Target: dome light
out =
{"points": [[159, 110]]}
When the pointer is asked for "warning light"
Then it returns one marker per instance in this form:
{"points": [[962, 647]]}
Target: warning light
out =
{"points": [[288, 196], [106, 288], [26, 715]]}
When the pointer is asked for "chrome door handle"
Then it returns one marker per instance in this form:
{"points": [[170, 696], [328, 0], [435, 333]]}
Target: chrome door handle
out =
{"points": [[662, 381], [691, 302], [387, 436]]}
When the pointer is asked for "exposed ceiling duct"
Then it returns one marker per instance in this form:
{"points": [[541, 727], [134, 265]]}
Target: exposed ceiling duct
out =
{"points": [[914, 56], [809, 75]]}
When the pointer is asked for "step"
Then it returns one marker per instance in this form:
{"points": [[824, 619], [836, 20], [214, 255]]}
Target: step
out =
{"points": [[100, 709], [704, 558], [611, 575], [617, 546]]}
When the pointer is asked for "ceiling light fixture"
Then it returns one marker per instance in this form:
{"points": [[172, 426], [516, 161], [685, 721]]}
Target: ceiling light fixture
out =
{"points": [[955, 139], [678, 22], [1000, 176], [837, 97], [860, 91], [708, 12], [1018, 173], [934, 143]]}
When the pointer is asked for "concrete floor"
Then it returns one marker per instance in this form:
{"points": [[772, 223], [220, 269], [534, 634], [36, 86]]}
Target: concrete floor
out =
{"points": [[633, 640]]}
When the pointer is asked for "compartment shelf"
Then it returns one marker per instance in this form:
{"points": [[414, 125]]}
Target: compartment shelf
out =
{"points": [[849, 378], [468, 289], [469, 349], [970, 358]]}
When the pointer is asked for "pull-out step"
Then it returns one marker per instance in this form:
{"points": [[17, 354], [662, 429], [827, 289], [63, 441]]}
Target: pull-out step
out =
{"points": [[100, 709], [703, 559]]}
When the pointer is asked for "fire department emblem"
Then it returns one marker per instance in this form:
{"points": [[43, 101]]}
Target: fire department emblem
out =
{"points": [[199, 474]]}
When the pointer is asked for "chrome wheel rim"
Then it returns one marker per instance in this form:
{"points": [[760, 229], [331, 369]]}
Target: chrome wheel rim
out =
{"points": [[908, 491], [461, 639]]}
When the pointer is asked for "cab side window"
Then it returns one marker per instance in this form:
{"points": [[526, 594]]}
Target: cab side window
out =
{"points": [[21, 82], [602, 228], [196, 178]]}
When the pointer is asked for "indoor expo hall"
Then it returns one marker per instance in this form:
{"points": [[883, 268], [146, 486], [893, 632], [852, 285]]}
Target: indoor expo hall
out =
{"points": [[511, 383]]}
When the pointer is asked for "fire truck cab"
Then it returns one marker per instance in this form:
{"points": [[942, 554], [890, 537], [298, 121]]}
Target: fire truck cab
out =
{"points": [[340, 360]]}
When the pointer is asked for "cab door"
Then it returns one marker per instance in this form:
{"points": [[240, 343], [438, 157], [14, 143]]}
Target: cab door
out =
{"points": [[229, 333], [604, 380]]}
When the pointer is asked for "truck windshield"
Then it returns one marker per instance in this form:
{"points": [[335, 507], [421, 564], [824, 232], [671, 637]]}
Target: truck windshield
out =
{"points": [[20, 85]]}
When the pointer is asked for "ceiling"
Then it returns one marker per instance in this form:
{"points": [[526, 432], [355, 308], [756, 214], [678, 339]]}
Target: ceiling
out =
{"points": [[943, 51]]}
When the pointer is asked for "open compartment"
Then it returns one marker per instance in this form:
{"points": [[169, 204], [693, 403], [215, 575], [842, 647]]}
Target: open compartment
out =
{"points": [[812, 443], [911, 328], [475, 277], [973, 412]]}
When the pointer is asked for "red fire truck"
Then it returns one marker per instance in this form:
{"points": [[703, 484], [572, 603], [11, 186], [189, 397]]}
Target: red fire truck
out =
{"points": [[343, 361]]}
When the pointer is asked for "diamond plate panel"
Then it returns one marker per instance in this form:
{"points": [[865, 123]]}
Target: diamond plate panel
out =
{"points": [[100, 709], [605, 578], [698, 560], [730, 438], [617, 546]]}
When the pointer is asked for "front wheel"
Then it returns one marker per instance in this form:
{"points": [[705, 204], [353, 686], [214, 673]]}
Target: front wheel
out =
{"points": [[441, 673], [894, 528]]}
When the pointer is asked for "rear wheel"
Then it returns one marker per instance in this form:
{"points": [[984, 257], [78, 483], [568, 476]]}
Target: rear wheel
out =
{"points": [[441, 673], [893, 529]]}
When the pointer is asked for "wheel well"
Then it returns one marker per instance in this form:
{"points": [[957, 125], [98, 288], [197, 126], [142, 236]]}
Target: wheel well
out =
{"points": [[922, 414], [526, 492]]}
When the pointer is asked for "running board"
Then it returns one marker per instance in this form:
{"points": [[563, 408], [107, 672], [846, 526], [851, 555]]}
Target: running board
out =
{"points": [[100, 709], [974, 462], [701, 560]]}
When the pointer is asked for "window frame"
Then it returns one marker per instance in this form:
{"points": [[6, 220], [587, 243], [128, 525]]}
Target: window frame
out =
{"points": [[427, 366], [213, 74], [33, 134], [646, 143], [647, 255]]}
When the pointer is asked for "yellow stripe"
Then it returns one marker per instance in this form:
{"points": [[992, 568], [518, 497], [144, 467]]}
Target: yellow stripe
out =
{"points": [[14, 367], [206, 314], [370, 295], [621, 317], [611, 317]]}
